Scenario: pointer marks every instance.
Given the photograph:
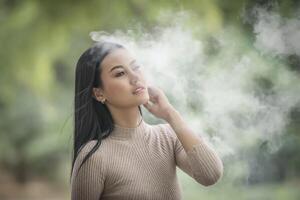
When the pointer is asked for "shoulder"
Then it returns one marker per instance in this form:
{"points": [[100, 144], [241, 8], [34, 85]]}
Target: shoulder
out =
{"points": [[95, 155], [93, 166], [86, 148], [166, 128], [166, 131]]}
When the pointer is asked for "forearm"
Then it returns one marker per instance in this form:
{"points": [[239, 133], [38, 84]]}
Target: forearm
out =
{"points": [[204, 164], [185, 135]]}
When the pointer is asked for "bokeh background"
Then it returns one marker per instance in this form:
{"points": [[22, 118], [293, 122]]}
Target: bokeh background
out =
{"points": [[240, 64]]}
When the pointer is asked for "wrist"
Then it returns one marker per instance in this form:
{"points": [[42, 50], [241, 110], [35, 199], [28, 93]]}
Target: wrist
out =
{"points": [[171, 113]]}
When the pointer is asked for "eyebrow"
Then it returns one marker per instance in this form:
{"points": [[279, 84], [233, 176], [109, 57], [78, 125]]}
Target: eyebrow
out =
{"points": [[120, 66]]}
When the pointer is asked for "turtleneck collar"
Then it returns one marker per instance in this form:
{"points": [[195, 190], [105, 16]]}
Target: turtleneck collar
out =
{"points": [[121, 132]]}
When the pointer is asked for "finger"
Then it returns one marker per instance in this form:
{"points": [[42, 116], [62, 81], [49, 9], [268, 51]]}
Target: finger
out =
{"points": [[152, 91], [152, 99], [148, 105], [153, 94]]}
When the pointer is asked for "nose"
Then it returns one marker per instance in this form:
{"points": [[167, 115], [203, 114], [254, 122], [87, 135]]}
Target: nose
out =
{"points": [[134, 78]]}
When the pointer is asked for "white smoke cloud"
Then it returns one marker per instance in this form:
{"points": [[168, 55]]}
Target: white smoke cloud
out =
{"points": [[276, 34], [230, 107]]}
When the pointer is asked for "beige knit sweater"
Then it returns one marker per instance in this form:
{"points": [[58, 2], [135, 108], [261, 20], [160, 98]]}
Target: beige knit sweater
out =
{"points": [[140, 164]]}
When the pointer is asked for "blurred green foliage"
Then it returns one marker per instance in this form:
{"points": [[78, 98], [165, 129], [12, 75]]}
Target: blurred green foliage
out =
{"points": [[41, 42]]}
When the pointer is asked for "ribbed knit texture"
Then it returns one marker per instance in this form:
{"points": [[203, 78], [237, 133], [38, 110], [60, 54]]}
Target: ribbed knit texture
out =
{"points": [[140, 164]]}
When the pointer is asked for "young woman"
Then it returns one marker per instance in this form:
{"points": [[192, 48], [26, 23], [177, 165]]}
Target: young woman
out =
{"points": [[117, 155]]}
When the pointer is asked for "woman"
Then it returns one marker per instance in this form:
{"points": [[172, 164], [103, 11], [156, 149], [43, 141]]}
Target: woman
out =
{"points": [[117, 155]]}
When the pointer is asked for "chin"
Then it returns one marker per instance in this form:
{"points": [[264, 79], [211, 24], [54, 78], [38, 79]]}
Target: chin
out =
{"points": [[143, 100]]}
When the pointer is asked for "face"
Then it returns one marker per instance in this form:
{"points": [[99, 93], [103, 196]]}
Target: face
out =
{"points": [[121, 74]]}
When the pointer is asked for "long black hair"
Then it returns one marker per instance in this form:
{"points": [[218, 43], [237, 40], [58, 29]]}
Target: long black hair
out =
{"points": [[92, 120]]}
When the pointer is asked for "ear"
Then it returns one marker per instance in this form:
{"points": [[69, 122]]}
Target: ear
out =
{"points": [[97, 94]]}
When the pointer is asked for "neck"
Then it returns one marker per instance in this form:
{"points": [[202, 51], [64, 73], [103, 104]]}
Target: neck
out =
{"points": [[126, 117]]}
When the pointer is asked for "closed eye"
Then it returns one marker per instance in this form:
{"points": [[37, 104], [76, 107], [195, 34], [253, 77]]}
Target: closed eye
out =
{"points": [[119, 74]]}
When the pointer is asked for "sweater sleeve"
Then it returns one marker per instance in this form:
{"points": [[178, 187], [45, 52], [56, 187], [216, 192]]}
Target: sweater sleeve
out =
{"points": [[201, 162], [88, 182]]}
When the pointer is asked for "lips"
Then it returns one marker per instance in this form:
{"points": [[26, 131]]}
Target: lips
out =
{"points": [[138, 89]]}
